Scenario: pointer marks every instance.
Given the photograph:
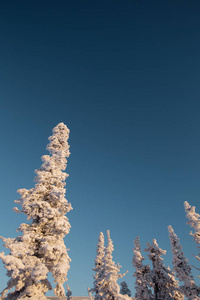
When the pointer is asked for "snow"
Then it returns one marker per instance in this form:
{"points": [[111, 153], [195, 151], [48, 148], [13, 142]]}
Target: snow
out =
{"points": [[41, 249]]}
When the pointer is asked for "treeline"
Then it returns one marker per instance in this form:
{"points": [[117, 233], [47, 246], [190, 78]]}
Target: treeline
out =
{"points": [[40, 248], [156, 283]]}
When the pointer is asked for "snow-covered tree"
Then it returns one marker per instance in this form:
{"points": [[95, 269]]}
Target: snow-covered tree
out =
{"points": [[111, 272], [69, 293], [124, 289], [99, 266], [165, 285], [142, 274], [194, 222], [41, 249], [89, 293], [181, 267], [107, 286]]}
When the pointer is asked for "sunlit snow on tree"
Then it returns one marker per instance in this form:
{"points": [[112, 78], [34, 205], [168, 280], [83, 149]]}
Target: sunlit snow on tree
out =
{"points": [[107, 272], [99, 266], [165, 285], [40, 249], [193, 221], [182, 267], [142, 274]]}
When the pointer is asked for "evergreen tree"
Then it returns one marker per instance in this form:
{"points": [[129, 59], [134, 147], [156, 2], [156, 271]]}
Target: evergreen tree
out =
{"points": [[69, 293], [142, 274], [99, 266], [124, 289], [164, 283], [89, 293], [40, 249], [108, 287], [181, 267], [193, 221]]}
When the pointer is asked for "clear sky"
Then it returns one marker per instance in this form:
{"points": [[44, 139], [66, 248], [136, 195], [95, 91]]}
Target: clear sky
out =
{"points": [[124, 77]]}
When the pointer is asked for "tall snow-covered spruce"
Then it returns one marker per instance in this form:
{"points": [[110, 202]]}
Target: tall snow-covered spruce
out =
{"points": [[107, 273], [182, 267], [41, 249], [109, 288], [99, 266], [193, 221], [165, 285], [142, 274]]}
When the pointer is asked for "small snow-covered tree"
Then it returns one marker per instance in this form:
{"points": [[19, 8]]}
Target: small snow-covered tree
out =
{"points": [[69, 293], [165, 285], [89, 293], [142, 274], [124, 289], [182, 268], [99, 266], [108, 287], [40, 249]]}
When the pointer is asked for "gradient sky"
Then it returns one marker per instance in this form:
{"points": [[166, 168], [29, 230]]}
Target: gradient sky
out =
{"points": [[124, 77]]}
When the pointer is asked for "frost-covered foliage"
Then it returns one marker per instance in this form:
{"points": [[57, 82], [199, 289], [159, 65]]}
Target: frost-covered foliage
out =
{"points": [[124, 289], [193, 221], [165, 285], [89, 293], [40, 249], [99, 266], [142, 274], [109, 287], [182, 268], [69, 293], [105, 284]]}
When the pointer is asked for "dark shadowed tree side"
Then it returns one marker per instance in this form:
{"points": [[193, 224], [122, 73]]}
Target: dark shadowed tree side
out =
{"points": [[124, 289], [165, 285], [182, 268], [142, 274], [69, 293]]}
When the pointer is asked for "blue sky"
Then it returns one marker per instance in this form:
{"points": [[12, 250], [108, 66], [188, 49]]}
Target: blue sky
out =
{"points": [[124, 77]]}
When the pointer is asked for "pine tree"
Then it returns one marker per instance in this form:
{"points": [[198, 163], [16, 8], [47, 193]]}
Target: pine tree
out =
{"points": [[108, 287], [142, 274], [99, 266], [164, 283], [193, 221], [181, 267], [40, 249], [69, 293], [124, 289], [89, 293]]}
